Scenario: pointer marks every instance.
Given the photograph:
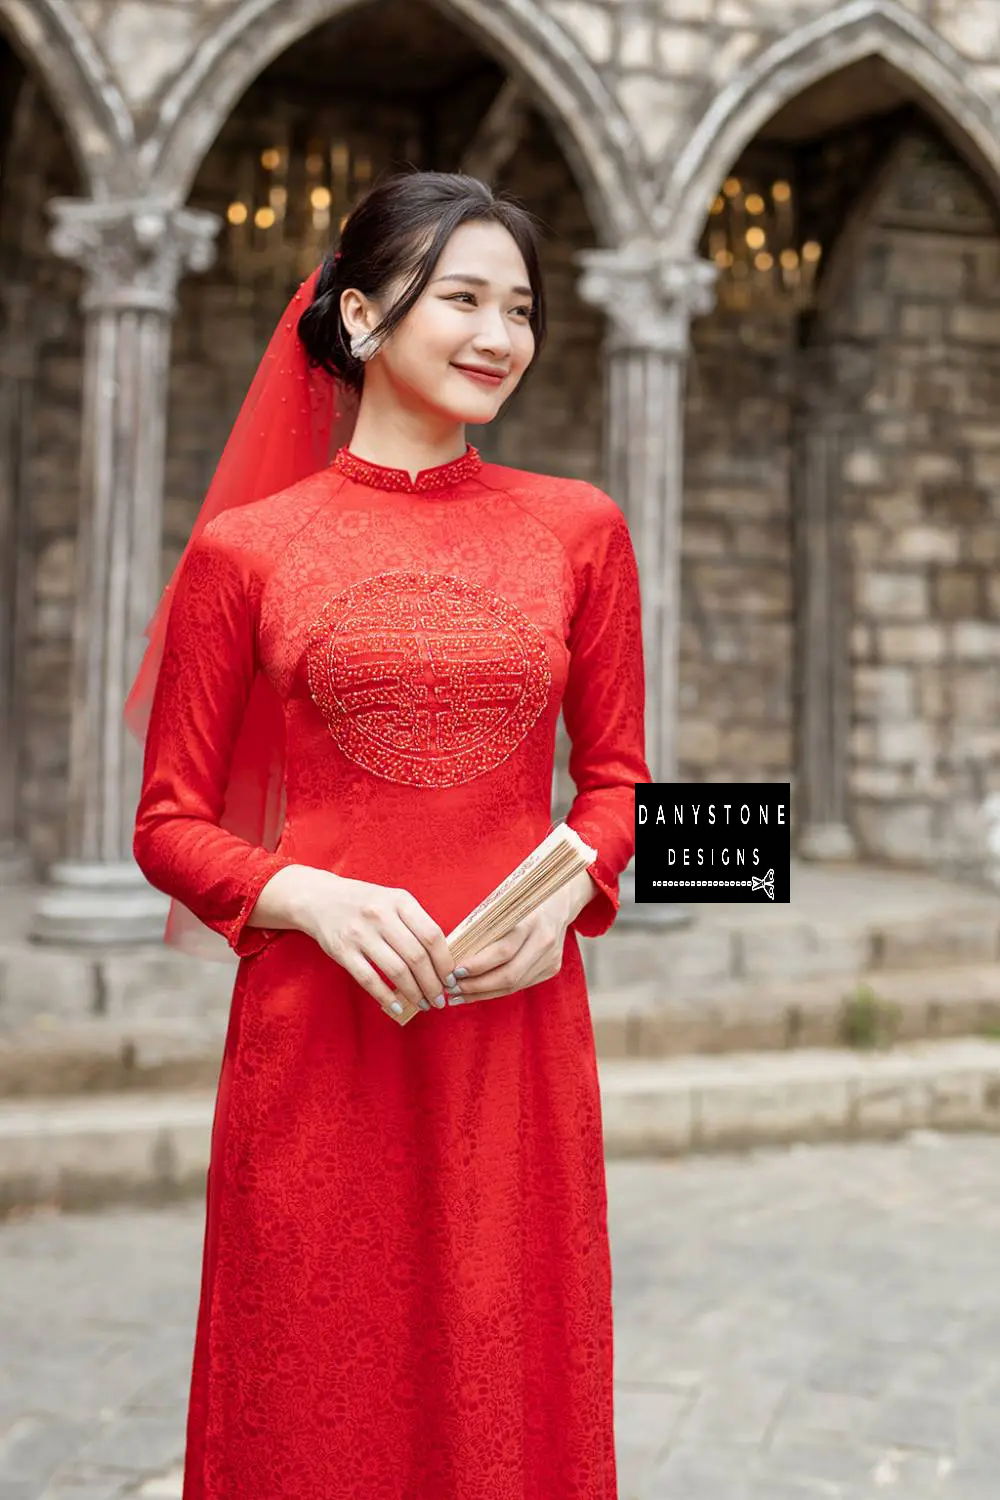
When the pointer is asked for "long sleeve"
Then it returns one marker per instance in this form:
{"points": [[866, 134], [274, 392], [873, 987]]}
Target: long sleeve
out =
{"points": [[604, 711], [208, 669]]}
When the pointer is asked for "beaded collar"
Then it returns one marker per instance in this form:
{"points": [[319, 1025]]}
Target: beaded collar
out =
{"points": [[380, 478]]}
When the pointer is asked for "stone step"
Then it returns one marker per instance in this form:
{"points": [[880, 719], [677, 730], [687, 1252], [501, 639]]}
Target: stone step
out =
{"points": [[652, 1020], [81, 1153], [778, 945], [57, 1058]]}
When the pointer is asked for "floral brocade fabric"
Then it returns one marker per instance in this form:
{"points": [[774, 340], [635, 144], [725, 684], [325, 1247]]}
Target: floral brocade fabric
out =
{"points": [[406, 1285]]}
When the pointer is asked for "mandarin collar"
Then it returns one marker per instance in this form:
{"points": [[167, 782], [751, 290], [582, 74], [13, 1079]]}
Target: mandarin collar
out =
{"points": [[441, 477]]}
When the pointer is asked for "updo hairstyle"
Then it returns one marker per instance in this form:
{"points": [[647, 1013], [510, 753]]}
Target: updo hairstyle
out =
{"points": [[399, 230]]}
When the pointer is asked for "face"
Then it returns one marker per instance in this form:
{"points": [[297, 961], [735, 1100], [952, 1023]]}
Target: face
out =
{"points": [[463, 347]]}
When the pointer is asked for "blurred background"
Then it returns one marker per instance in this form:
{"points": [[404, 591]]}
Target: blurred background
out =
{"points": [[772, 251]]}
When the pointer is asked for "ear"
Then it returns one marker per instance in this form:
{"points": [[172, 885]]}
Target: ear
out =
{"points": [[359, 312]]}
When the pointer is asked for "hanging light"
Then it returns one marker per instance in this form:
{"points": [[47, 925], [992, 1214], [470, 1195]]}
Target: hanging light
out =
{"points": [[753, 236]]}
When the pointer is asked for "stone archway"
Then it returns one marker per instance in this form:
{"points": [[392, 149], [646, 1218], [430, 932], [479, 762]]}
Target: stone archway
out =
{"points": [[850, 33], [590, 125], [803, 476], [54, 43]]}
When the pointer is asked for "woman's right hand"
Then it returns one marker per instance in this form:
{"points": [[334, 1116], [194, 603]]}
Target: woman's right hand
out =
{"points": [[359, 924]]}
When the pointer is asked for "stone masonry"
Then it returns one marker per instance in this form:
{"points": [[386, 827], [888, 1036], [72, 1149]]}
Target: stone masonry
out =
{"points": [[842, 632]]}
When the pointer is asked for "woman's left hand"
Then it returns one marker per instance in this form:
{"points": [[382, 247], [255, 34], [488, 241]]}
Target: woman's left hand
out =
{"points": [[530, 952]]}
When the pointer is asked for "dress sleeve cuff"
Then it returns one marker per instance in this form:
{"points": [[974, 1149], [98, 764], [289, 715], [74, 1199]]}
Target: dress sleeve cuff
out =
{"points": [[600, 911], [246, 941]]}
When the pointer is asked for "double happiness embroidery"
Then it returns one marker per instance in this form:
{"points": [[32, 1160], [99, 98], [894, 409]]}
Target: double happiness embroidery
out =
{"points": [[426, 678]]}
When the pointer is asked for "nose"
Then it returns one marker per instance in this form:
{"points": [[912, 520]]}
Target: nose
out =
{"points": [[492, 334]]}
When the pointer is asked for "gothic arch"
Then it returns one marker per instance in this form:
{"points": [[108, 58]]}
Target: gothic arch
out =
{"points": [[591, 127], [859, 29], [55, 44]]}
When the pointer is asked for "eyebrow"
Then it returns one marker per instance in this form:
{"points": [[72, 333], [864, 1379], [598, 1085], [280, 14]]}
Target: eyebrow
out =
{"points": [[520, 291]]}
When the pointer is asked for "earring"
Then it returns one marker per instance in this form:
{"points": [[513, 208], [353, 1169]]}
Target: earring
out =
{"points": [[362, 346]]}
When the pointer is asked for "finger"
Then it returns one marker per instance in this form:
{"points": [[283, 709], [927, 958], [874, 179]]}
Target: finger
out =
{"points": [[430, 936], [394, 965], [498, 953], [409, 947], [510, 977], [359, 969]]}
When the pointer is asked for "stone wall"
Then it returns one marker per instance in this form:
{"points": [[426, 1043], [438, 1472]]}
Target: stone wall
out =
{"points": [[916, 293], [922, 500], [38, 166]]}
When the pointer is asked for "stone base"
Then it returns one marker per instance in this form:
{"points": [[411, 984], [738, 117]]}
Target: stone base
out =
{"points": [[98, 905]]}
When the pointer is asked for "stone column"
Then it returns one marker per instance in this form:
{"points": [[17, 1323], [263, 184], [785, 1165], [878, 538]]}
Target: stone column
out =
{"points": [[832, 381], [650, 303], [133, 254], [18, 354]]}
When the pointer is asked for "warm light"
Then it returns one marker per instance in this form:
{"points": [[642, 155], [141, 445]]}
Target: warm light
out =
{"points": [[731, 187], [789, 259], [320, 197], [237, 213], [264, 218], [278, 197], [756, 238], [811, 251], [755, 203], [270, 159], [719, 205], [781, 192], [764, 261], [724, 258]]}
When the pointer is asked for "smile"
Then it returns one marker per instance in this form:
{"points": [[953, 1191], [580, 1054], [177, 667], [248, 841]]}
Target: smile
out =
{"points": [[482, 376]]}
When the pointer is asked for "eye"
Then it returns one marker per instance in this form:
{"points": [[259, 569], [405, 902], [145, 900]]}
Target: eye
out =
{"points": [[454, 297], [526, 311]]}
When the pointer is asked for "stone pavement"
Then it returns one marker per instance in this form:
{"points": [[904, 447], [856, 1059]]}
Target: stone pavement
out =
{"points": [[819, 1321]]}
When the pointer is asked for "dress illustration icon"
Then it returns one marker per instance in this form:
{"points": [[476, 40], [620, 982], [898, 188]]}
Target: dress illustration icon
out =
{"points": [[406, 1283]]}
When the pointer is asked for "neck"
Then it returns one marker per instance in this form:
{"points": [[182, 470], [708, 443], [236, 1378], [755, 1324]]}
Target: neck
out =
{"points": [[389, 434]]}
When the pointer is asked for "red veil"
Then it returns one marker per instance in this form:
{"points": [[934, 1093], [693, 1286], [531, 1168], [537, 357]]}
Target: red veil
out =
{"points": [[289, 420]]}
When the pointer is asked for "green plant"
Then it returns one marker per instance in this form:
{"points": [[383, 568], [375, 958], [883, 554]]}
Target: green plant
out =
{"points": [[866, 1020]]}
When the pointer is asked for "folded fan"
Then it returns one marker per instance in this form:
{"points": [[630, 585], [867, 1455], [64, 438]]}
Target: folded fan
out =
{"points": [[561, 855]]}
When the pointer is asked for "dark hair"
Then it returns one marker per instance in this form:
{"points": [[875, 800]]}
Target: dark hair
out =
{"points": [[399, 229]]}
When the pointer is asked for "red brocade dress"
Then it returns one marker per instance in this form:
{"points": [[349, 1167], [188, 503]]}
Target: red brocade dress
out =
{"points": [[406, 1286]]}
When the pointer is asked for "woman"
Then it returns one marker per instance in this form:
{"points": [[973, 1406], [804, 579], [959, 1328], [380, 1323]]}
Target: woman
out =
{"points": [[406, 1288]]}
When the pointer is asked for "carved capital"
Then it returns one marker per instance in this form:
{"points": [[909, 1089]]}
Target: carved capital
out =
{"points": [[135, 251], [649, 300]]}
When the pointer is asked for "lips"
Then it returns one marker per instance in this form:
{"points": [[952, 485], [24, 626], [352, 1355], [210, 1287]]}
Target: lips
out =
{"points": [[491, 378]]}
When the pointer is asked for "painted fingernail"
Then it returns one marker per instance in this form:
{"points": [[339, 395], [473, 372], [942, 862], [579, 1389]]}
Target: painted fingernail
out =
{"points": [[461, 973], [424, 1004], [397, 1008], [449, 979], [439, 1001]]}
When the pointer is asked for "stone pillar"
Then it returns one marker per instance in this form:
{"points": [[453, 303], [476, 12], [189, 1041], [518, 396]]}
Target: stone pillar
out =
{"points": [[650, 303], [18, 354], [133, 254], [832, 381]]}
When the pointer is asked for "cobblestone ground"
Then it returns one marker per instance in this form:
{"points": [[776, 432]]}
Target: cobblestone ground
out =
{"points": [[817, 1322]]}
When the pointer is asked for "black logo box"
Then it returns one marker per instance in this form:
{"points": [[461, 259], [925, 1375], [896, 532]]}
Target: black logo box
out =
{"points": [[712, 842]]}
